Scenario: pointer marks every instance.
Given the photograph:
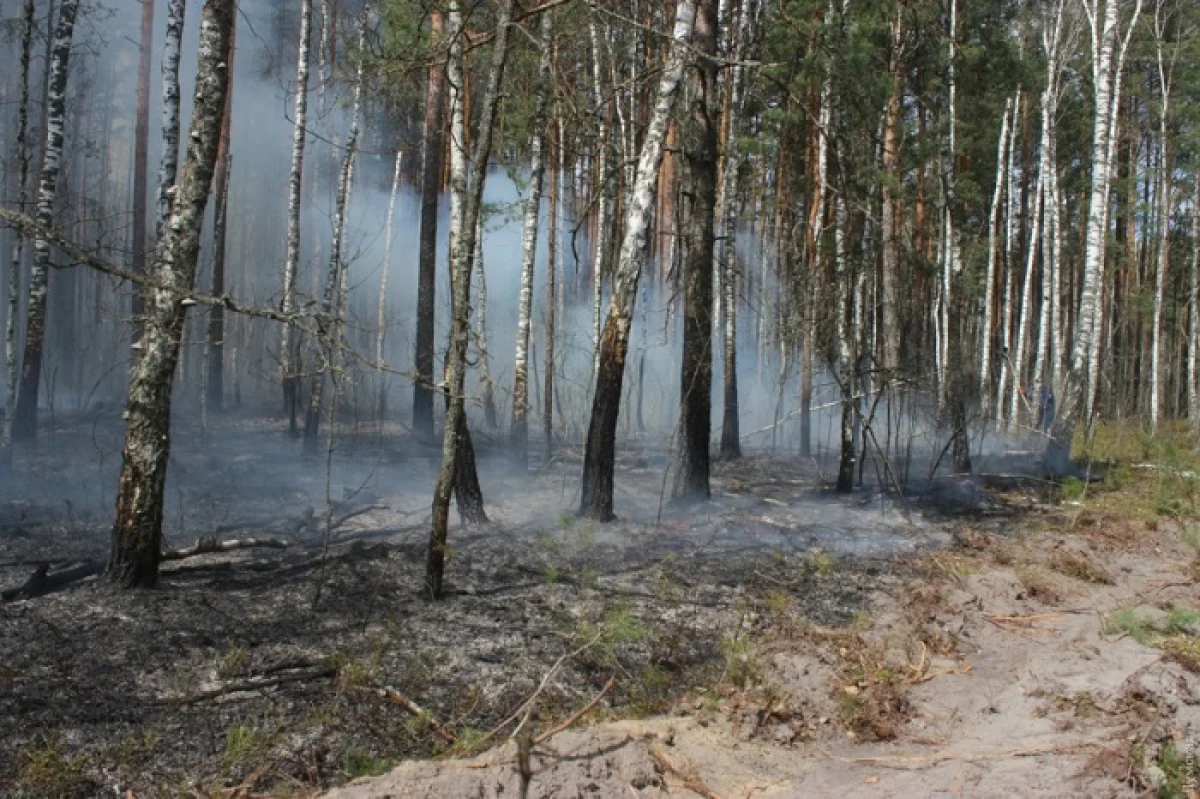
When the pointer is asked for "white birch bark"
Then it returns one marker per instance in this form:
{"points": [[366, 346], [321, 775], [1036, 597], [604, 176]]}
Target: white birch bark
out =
{"points": [[1010, 236], [385, 270], [519, 429], [1166, 70], [137, 529], [1085, 360], [466, 196], [21, 156], [605, 188], [597, 486], [487, 386], [1025, 309], [25, 418], [169, 165], [985, 345], [1047, 181], [295, 182], [336, 283]]}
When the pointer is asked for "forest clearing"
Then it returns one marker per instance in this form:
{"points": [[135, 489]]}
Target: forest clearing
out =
{"points": [[550, 398]]}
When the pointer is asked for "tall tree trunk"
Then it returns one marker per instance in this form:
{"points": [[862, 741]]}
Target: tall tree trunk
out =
{"points": [[1165, 75], [700, 158], [486, 384], [1193, 374], [25, 421], [287, 348], [600, 450], [215, 383], [431, 187], [551, 320], [519, 429], [605, 188], [725, 269], [335, 281], [137, 529], [168, 166], [1079, 386], [141, 146], [21, 155], [384, 272], [890, 262], [1010, 272], [989, 285], [466, 198]]}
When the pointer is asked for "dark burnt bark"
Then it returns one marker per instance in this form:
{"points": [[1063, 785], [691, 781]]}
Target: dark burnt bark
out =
{"points": [[137, 529], [141, 146], [215, 384], [700, 195], [431, 187]]}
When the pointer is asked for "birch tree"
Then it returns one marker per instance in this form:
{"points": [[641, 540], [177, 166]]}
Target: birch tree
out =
{"points": [[431, 188], [700, 161], [215, 351], [1193, 362], [1104, 24], [333, 305], [519, 427], [384, 272], [466, 198], [137, 529], [1166, 73], [600, 450], [291, 266], [21, 155], [26, 415], [989, 281]]}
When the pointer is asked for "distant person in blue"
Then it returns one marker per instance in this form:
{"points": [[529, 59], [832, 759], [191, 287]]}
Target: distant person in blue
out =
{"points": [[1045, 409]]}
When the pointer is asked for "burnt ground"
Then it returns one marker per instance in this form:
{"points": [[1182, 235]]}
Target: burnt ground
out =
{"points": [[264, 668]]}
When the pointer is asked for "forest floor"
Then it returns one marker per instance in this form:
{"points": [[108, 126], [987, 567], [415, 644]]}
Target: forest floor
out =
{"points": [[990, 636]]}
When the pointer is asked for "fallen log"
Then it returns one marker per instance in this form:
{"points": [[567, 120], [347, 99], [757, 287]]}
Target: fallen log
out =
{"points": [[42, 582], [209, 545]]}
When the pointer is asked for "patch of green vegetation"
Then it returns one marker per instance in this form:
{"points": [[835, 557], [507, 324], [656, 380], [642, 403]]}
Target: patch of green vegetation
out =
{"points": [[469, 741], [1072, 489], [233, 662], [45, 769], [741, 663], [132, 754], [1126, 622], [1180, 620], [550, 574], [1178, 773], [822, 563], [589, 578], [358, 762], [566, 520], [778, 602], [545, 542], [249, 741]]}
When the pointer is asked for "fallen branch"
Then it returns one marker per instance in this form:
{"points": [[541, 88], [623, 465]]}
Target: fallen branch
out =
{"points": [[252, 684], [690, 781], [397, 698], [209, 545], [583, 711]]}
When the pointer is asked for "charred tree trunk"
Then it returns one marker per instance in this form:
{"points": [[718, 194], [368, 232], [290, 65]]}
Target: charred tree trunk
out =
{"points": [[700, 160], [551, 302], [141, 146], [137, 529], [431, 187], [287, 349], [519, 428], [25, 419], [600, 451], [215, 383], [466, 198]]}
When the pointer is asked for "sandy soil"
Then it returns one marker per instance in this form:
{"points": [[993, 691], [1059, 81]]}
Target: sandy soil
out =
{"points": [[1005, 680], [779, 641]]}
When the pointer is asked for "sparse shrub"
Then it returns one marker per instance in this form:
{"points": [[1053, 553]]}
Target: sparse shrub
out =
{"points": [[44, 769], [358, 762], [822, 563], [233, 662]]}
